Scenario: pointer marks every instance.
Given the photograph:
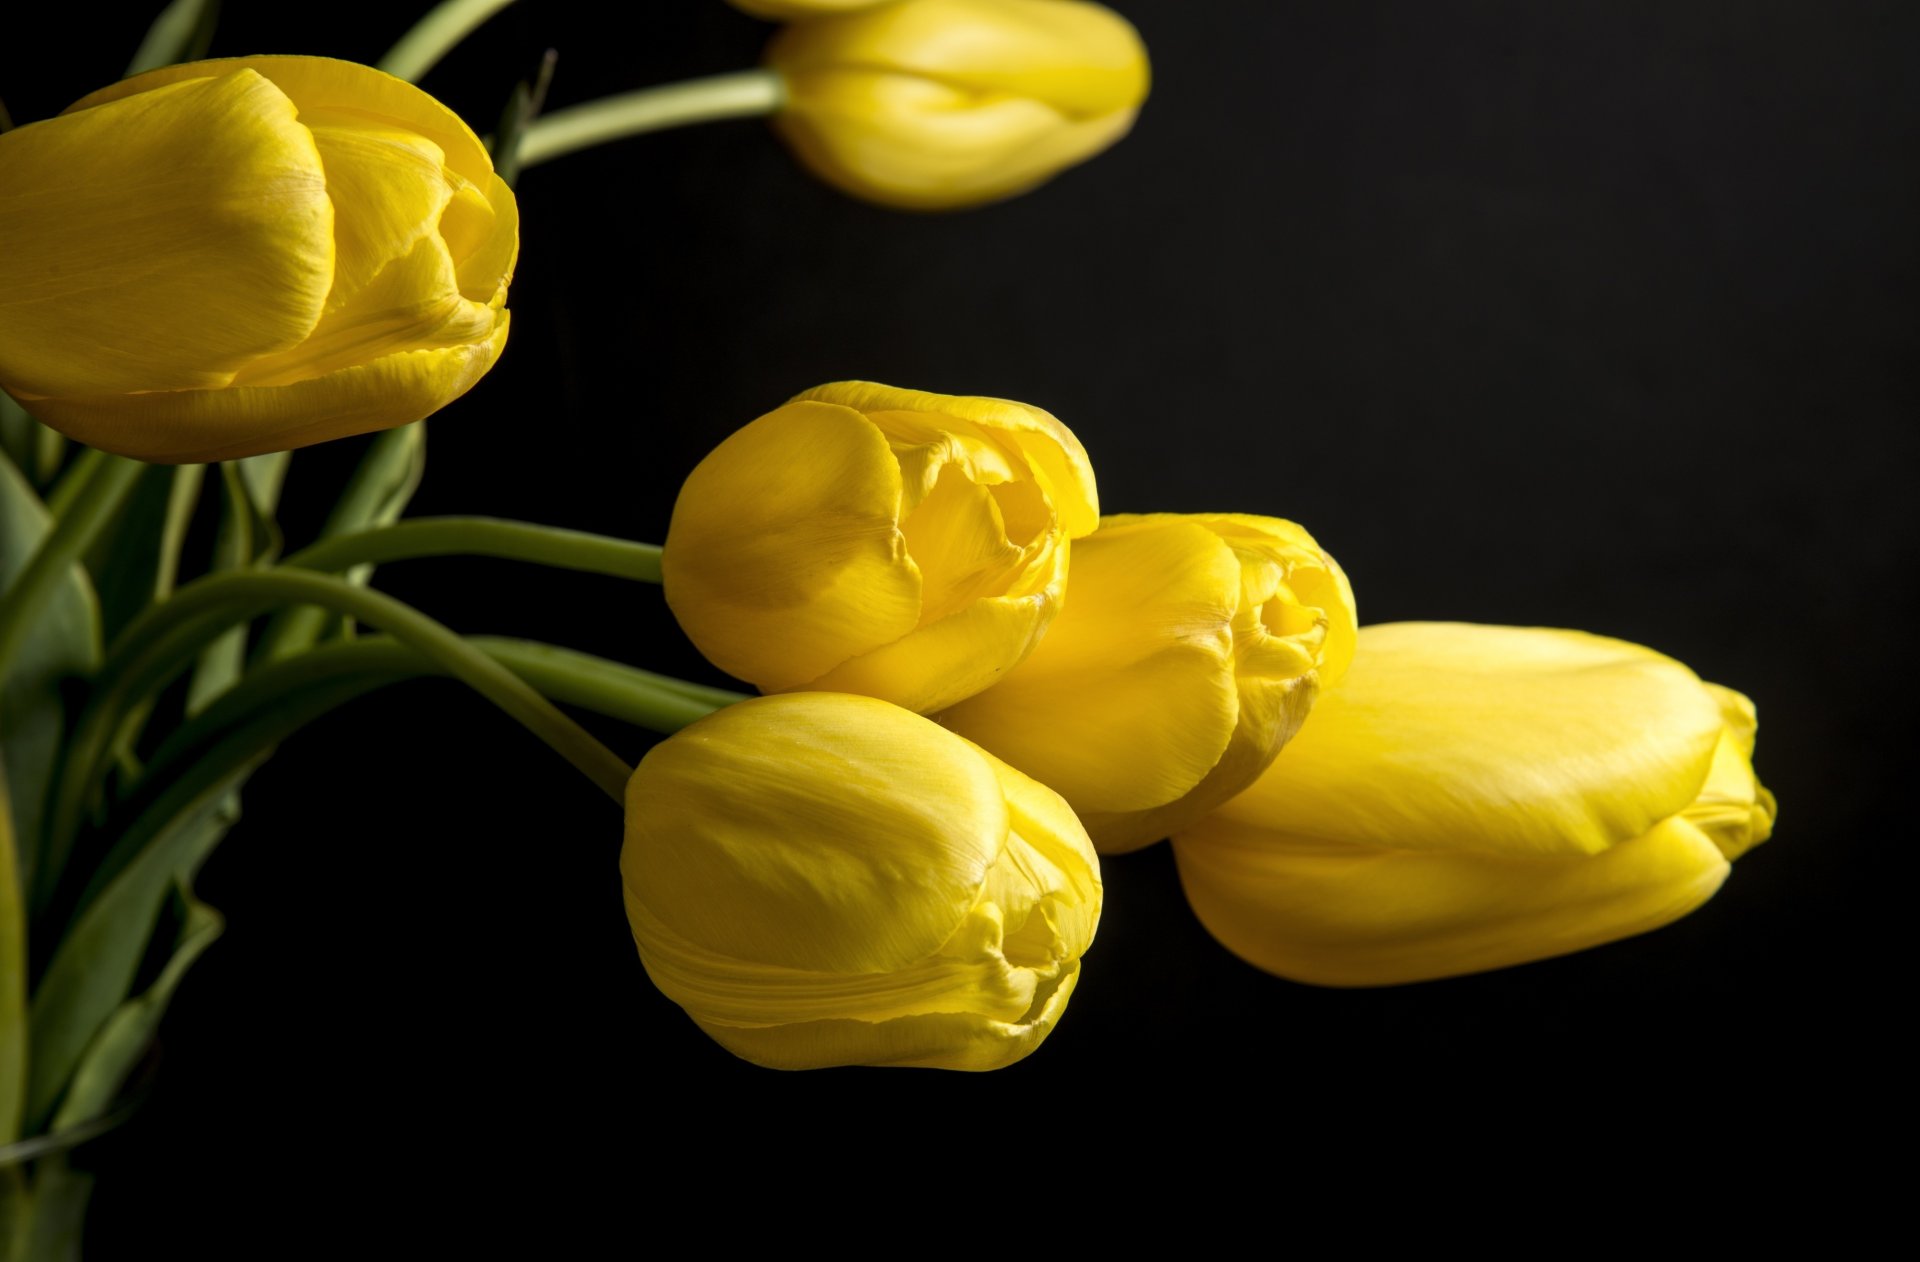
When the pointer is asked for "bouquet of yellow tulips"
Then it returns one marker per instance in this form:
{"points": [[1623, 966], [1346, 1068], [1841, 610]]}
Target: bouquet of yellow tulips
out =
{"points": [[974, 681]]}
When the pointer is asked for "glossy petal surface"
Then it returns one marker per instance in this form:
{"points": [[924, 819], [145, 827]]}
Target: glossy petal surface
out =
{"points": [[825, 879], [116, 221], [239, 256], [901, 544], [1501, 740], [1187, 655], [1556, 791]]}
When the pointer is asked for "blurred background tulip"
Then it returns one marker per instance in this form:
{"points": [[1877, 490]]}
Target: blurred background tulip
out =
{"points": [[1471, 797], [895, 543], [1188, 653], [823, 879], [934, 104], [231, 257]]}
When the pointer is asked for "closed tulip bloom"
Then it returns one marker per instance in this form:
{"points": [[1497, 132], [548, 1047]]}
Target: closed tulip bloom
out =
{"points": [[823, 879], [1188, 653], [894, 543], [232, 257], [930, 104], [1471, 797]]}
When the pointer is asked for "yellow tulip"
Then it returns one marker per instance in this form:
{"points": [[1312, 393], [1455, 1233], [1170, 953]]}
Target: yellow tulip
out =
{"points": [[232, 257], [894, 543], [823, 879], [1472, 797], [930, 104], [799, 9], [1188, 653]]}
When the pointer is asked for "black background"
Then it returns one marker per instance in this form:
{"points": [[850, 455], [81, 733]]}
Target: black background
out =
{"points": [[1596, 315]]}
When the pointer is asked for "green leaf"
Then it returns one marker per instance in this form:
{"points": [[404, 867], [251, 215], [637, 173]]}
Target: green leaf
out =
{"points": [[134, 560], [34, 449], [182, 32], [13, 977], [523, 106], [62, 643], [96, 963], [17, 439], [377, 494], [124, 1039], [245, 535]]}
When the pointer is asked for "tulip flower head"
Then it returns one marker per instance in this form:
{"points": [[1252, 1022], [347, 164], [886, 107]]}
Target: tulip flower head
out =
{"points": [[1471, 797], [934, 104], [1188, 653], [894, 543], [821, 879], [231, 257]]}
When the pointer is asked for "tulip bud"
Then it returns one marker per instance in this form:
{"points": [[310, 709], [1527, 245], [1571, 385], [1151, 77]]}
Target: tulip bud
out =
{"points": [[823, 879], [1186, 656], [903, 545], [931, 104], [1471, 797], [232, 257]]}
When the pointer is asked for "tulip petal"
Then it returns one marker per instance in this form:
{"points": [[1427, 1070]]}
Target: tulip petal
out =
{"points": [[117, 219], [1362, 916], [1733, 810], [1049, 446], [919, 145], [783, 558], [411, 304], [945, 1040], [1084, 60], [201, 426], [946, 661], [775, 832], [388, 187], [329, 86], [1046, 882], [486, 245], [1498, 740], [1149, 634]]}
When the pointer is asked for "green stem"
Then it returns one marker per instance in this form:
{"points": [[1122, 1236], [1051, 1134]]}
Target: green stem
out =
{"points": [[742, 94], [94, 501], [592, 683], [378, 492], [484, 536], [348, 669], [436, 35], [167, 637]]}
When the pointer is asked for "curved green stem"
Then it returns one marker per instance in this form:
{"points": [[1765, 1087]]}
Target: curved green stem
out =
{"points": [[436, 35], [164, 640], [484, 536], [609, 688], [106, 482], [742, 94]]}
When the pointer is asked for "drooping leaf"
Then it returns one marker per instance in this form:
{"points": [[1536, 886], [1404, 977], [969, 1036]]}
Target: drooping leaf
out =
{"points": [[124, 1039], [62, 644], [95, 964], [98, 960]]}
